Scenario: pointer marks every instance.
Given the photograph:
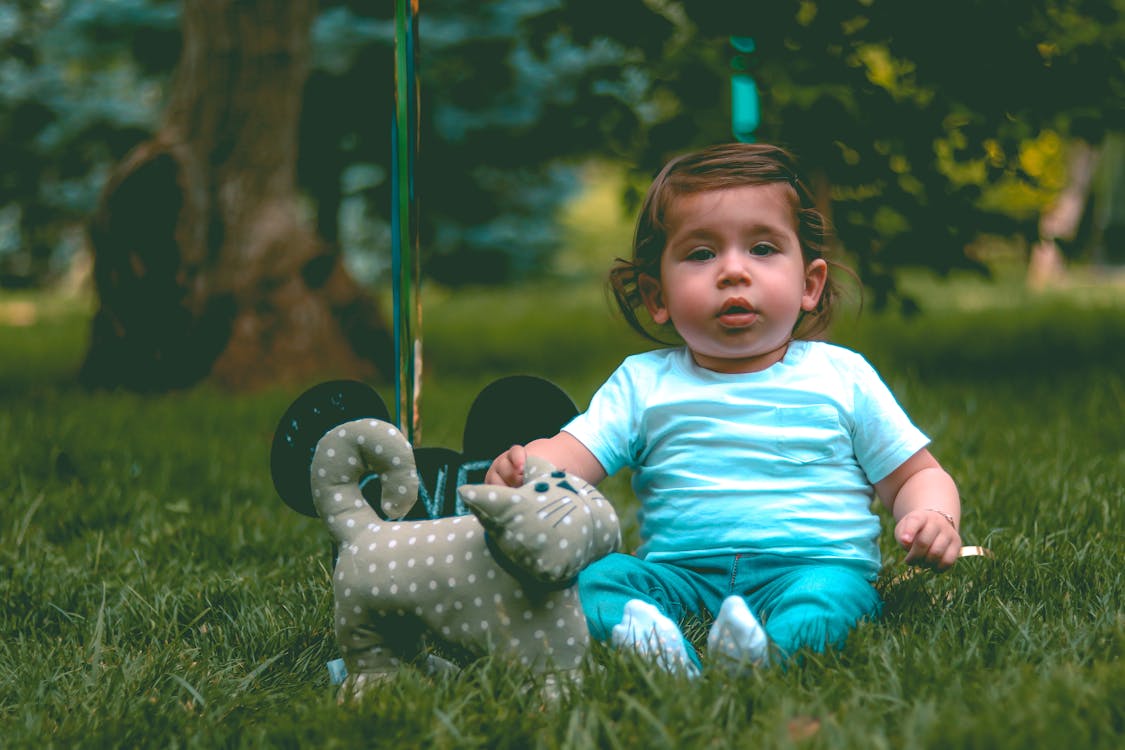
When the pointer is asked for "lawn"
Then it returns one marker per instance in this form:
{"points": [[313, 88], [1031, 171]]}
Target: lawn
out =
{"points": [[154, 591]]}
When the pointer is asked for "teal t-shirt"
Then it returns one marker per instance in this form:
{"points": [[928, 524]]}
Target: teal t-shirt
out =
{"points": [[780, 461]]}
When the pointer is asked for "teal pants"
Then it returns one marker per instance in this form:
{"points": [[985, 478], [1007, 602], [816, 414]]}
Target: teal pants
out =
{"points": [[800, 603]]}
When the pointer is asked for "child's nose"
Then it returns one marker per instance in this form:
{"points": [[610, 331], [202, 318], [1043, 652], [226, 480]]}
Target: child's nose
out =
{"points": [[733, 269]]}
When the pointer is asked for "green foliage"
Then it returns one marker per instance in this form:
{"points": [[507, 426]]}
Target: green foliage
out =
{"points": [[154, 591], [911, 114], [499, 120], [926, 124], [79, 86]]}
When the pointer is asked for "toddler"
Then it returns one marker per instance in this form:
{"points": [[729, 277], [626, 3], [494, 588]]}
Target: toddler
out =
{"points": [[755, 450]]}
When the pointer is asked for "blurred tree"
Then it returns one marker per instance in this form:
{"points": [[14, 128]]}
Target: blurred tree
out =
{"points": [[924, 126], [79, 87], [915, 119], [203, 262], [503, 122]]}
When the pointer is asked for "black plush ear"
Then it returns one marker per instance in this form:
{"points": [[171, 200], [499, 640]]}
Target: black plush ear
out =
{"points": [[304, 423], [514, 410]]}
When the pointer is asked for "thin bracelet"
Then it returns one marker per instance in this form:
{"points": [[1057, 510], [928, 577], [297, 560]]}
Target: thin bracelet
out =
{"points": [[944, 515]]}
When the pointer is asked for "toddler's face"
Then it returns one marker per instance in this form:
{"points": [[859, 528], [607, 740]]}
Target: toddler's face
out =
{"points": [[733, 280]]}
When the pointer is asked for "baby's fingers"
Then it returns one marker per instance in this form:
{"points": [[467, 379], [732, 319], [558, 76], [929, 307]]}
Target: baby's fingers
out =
{"points": [[507, 469], [928, 542], [950, 555], [906, 532], [946, 549]]}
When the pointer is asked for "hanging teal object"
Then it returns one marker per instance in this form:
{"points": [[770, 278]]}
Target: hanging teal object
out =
{"points": [[405, 263], [745, 113], [512, 410]]}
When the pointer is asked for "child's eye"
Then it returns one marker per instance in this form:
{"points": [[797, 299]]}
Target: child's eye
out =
{"points": [[763, 249], [700, 253]]}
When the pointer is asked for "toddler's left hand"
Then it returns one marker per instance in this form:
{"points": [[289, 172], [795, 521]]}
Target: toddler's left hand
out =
{"points": [[929, 539]]}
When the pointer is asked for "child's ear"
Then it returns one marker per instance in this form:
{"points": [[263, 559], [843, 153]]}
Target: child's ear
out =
{"points": [[653, 297], [816, 276]]}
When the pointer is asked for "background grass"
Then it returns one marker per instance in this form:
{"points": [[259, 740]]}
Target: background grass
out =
{"points": [[154, 591]]}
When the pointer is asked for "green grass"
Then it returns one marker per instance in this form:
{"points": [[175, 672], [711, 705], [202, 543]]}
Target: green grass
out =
{"points": [[154, 591]]}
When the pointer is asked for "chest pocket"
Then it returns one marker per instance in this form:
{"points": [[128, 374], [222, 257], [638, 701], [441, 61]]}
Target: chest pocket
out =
{"points": [[807, 434]]}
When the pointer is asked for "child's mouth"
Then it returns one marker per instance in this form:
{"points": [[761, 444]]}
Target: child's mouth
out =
{"points": [[737, 313]]}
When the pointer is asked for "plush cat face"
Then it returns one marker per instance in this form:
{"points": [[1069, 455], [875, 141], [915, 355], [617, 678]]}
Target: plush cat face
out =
{"points": [[551, 527]]}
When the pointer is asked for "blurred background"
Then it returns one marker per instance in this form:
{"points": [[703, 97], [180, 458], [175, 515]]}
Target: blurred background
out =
{"points": [[208, 182]]}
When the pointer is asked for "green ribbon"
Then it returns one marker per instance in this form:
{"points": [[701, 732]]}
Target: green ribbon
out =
{"points": [[405, 263]]}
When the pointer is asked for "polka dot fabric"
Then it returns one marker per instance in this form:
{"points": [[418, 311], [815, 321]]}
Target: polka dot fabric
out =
{"points": [[401, 586], [552, 527]]}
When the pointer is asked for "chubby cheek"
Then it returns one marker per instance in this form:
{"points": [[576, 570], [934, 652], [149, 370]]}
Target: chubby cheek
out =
{"points": [[687, 314]]}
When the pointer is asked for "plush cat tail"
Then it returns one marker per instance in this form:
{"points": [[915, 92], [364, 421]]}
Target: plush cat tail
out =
{"points": [[345, 457]]}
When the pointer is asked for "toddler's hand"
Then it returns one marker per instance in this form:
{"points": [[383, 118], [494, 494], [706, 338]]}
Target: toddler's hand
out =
{"points": [[929, 539], [507, 469]]}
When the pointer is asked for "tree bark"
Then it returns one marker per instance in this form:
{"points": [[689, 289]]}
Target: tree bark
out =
{"points": [[205, 265]]}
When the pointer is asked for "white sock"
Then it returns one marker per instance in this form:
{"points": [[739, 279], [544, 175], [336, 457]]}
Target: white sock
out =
{"points": [[737, 639], [645, 631]]}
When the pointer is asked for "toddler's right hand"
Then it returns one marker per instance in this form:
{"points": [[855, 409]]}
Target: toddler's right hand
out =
{"points": [[507, 469]]}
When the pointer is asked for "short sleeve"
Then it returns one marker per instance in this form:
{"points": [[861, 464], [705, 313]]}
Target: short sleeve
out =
{"points": [[609, 428], [884, 437]]}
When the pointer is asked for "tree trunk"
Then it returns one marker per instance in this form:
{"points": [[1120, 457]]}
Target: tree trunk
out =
{"points": [[204, 264], [1062, 218]]}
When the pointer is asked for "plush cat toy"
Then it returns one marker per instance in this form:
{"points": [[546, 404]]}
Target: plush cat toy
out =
{"points": [[498, 581]]}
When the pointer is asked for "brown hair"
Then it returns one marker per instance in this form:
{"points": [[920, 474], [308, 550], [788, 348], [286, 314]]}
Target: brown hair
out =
{"points": [[715, 168]]}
